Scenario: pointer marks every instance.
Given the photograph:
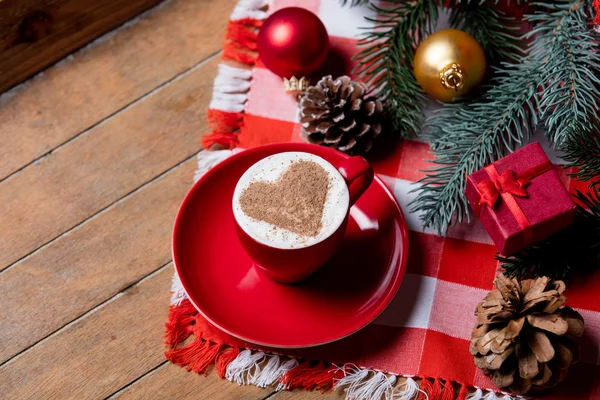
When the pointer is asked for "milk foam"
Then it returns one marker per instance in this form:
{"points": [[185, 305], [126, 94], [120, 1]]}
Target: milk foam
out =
{"points": [[270, 169]]}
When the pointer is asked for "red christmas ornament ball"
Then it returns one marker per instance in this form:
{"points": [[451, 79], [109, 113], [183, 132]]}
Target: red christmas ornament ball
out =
{"points": [[293, 42]]}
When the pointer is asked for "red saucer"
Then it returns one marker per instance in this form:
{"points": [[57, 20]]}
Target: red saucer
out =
{"points": [[342, 297]]}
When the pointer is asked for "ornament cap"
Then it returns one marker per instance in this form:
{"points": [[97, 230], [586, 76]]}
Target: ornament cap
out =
{"points": [[452, 77], [294, 85]]}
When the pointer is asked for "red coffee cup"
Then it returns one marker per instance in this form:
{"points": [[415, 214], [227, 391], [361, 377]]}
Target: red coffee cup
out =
{"points": [[293, 265]]}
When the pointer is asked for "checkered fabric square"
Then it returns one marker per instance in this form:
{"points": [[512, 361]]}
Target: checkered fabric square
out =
{"points": [[425, 331]]}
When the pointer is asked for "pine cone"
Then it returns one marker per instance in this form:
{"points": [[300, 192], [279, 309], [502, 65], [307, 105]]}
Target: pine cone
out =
{"points": [[523, 339], [336, 113]]}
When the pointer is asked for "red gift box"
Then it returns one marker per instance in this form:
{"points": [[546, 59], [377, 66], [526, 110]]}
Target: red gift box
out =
{"points": [[520, 199]]}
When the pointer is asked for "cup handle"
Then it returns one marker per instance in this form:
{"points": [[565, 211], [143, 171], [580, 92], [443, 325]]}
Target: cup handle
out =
{"points": [[358, 175]]}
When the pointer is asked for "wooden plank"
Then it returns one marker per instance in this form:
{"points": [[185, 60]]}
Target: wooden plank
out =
{"points": [[109, 348], [106, 76], [92, 263], [98, 354], [173, 382], [91, 172], [36, 33]]}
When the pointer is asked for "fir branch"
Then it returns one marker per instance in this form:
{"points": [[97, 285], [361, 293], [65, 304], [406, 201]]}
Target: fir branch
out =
{"points": [[582, 151], [354, 3], [496, 31], [468, 136], [573, 250], [386, 61], [569, 100]]}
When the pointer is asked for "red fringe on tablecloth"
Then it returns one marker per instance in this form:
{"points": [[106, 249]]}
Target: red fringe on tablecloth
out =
{"points": [[239, 46], [188, 349]]}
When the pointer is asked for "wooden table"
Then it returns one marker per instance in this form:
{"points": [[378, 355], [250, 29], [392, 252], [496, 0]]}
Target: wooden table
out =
{"points": [[96, 154]]}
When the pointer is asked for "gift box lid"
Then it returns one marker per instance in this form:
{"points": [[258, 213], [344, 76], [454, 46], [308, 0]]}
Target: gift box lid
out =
{"points": [[548, 205]]}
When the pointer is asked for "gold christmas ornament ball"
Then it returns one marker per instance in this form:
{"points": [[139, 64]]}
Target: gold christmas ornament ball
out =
{"points": [[448, 64]]}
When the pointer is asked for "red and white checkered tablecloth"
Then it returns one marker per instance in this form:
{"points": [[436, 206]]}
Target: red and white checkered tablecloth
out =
{"points": [[426, 329]]}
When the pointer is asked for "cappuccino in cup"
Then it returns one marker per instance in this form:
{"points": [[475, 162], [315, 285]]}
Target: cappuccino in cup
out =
{"points": [[291, 200]]}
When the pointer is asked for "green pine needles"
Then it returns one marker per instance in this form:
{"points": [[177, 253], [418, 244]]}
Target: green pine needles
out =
{"points": [[553, 85], [569, 101], [582, 151], [496, 32], [354, 3], [386, 63]]}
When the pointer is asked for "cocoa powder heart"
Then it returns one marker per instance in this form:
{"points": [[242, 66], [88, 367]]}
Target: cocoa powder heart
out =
{"points": [[294, 202]]}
